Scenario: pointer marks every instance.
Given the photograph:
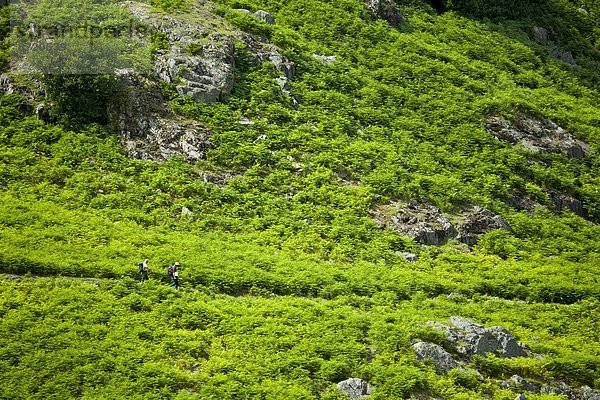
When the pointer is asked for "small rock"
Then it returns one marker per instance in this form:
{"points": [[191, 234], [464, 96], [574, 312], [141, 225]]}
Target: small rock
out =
{"points": [[325, 60], [386, 10], [540, 35], [185, 212], [521, 397], [265, 17], [356, 388], [457, 297], [442, 360], [409, 257], [516, 382], [245, 122]]}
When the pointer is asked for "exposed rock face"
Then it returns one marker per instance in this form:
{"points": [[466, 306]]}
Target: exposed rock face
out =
{"points": [[386, 10], [199, 61], [563, 202], [356, 388], [538, 135], [471, 338], [478, 222], [422, 222], [518, 383], [150, 132], [442, 360], [428, 225]]}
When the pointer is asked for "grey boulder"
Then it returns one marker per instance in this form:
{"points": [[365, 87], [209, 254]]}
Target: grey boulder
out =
{"points": [[265, 17], [356, 388], [442, 360], [471, 338], [386, 10]]}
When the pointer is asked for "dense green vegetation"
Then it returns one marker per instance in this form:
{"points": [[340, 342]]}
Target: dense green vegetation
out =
{"points": [[289, 285]]}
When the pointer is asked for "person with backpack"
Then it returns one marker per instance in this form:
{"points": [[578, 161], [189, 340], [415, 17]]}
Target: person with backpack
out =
{"points": [[173, 273], [144, 269]]}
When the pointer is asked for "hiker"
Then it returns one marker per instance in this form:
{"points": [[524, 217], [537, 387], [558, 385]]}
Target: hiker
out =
{"points": [[176, 279], [144, 269], [173, 273]]}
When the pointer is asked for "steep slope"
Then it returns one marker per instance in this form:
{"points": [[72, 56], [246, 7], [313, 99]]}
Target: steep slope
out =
{"points": [[334, 177]]}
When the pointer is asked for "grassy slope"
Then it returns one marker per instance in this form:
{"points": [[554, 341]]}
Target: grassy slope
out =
{"points": [[399, 115]]}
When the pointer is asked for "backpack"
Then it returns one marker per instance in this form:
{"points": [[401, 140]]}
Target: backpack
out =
{"points": [[140, 267]]}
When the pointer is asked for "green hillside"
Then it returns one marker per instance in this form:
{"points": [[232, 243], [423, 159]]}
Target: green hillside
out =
{"points": [[298, 269]]}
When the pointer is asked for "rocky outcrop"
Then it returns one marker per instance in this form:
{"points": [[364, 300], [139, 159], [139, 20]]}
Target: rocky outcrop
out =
{"points": [[442, 360], [538, 135], [198, 60], [478, 222], [386, 10], [420, 221], [426, 224], [471, 338], [148, 130], [356, 388], [563, 202], [518, 383]]}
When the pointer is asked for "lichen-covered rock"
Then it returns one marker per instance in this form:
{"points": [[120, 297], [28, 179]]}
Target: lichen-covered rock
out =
{"points": [[538, 135], [517, 382], [442, 360], [477, 222], [148, 130], [471, 338], [265, 17], [199, 60], [420, 221], [386, 10], [356, 388]]}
